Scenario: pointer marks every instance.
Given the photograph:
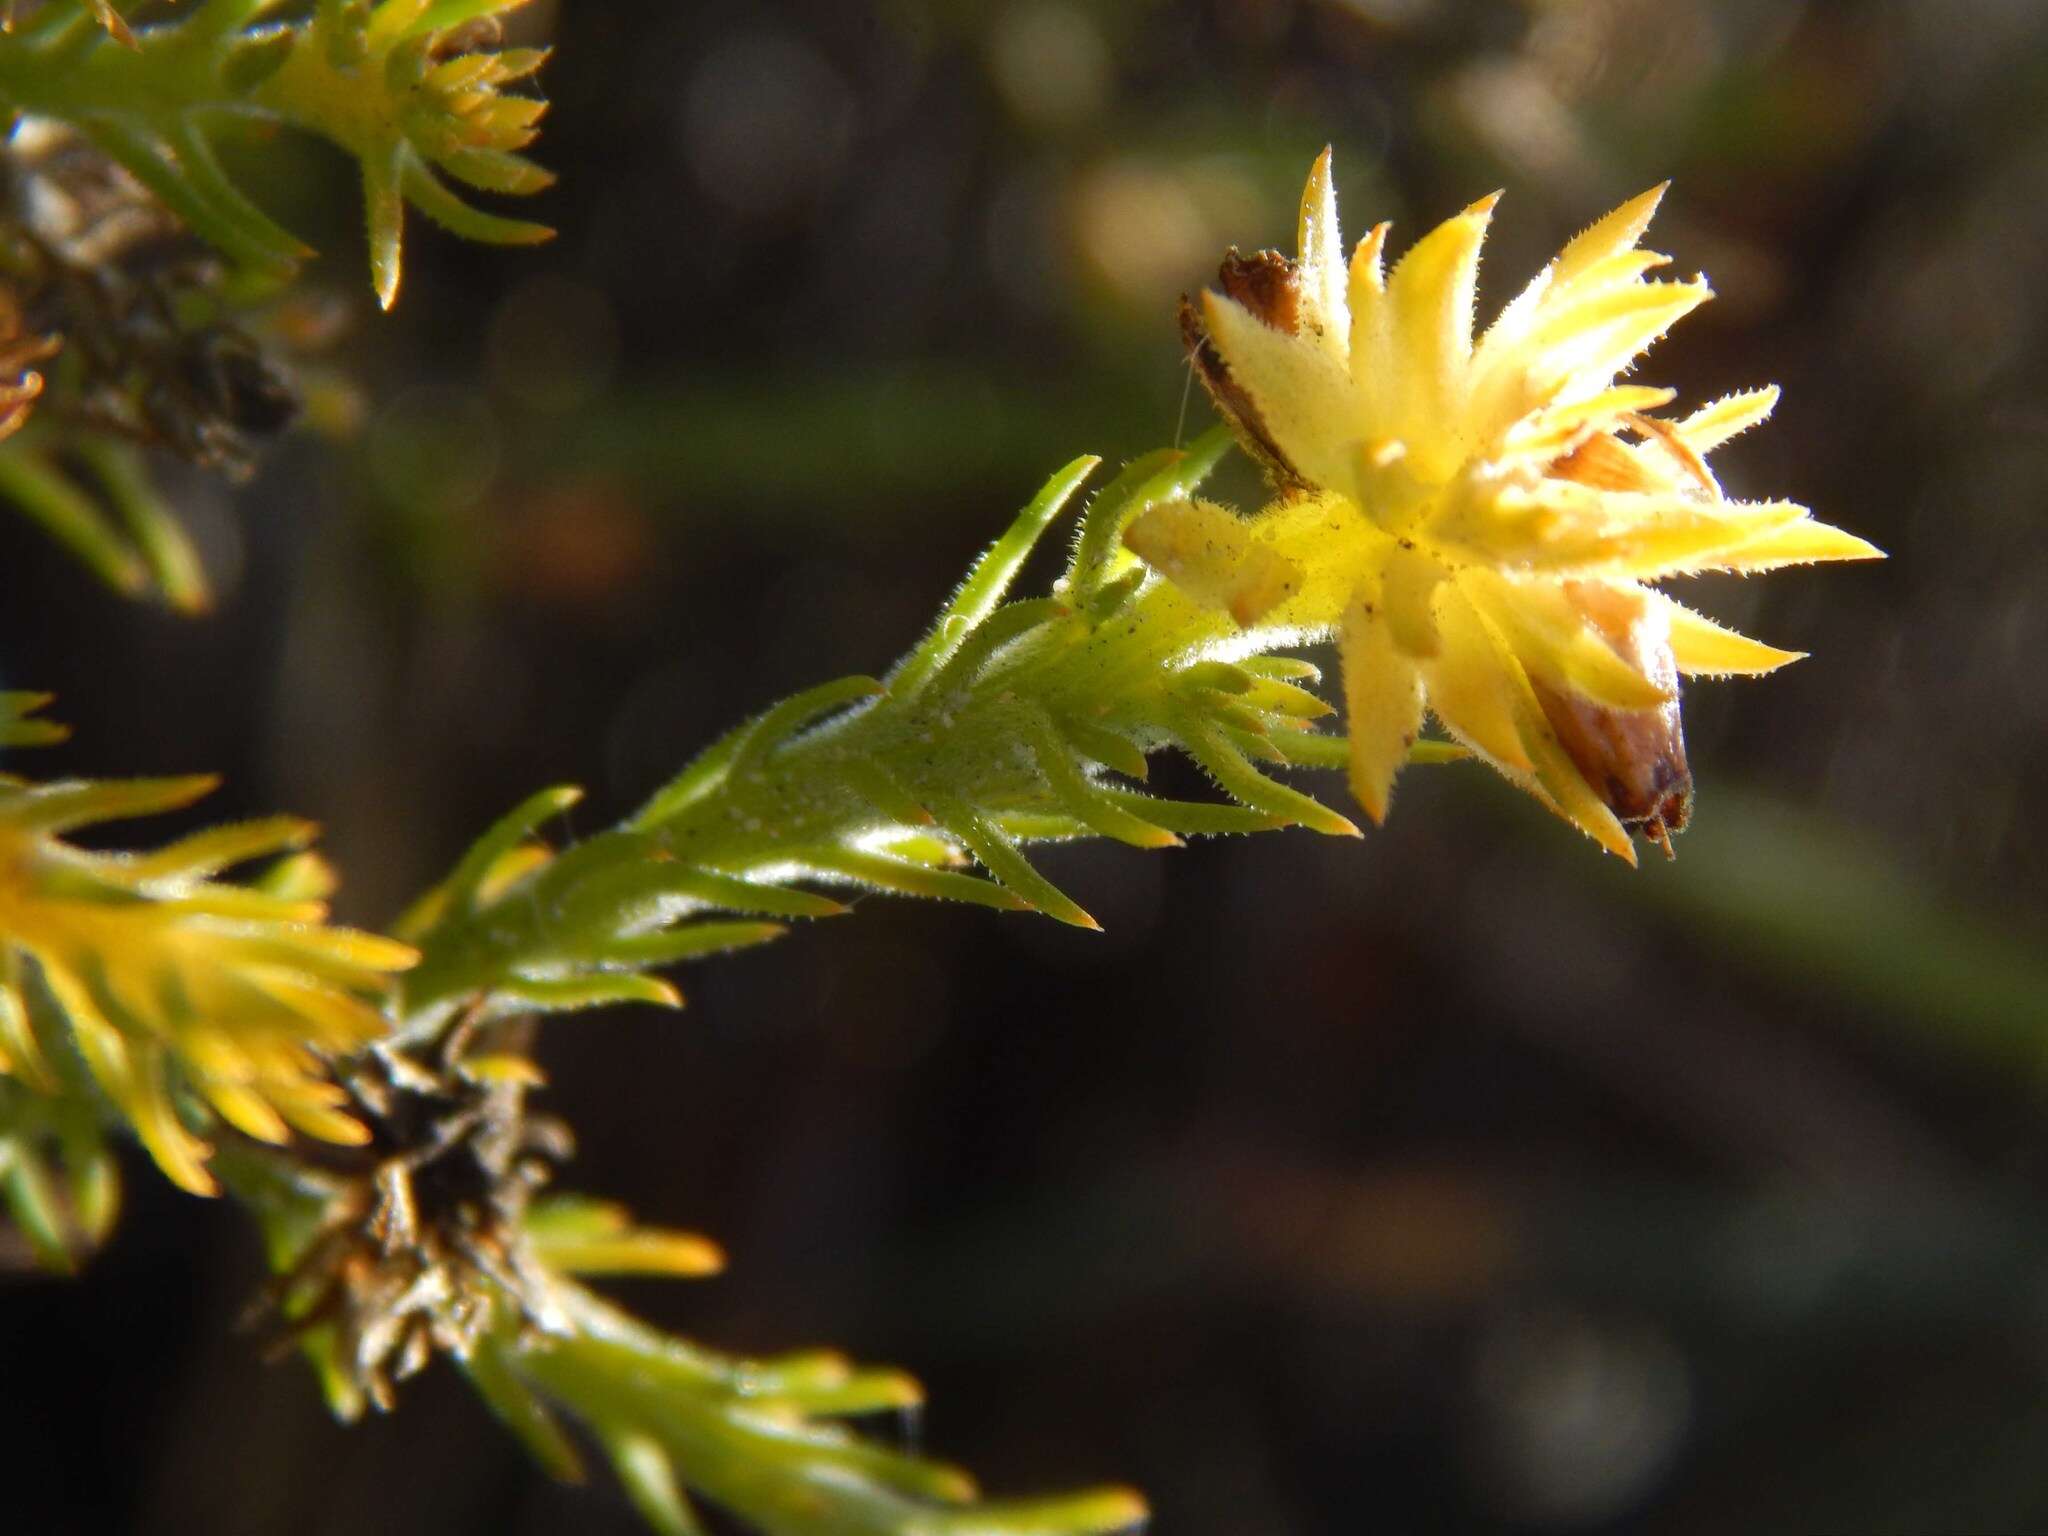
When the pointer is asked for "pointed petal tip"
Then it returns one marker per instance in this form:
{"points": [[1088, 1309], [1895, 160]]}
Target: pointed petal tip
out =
{"points": [[1483, 208], [1774, 658], [1644, 205], [1373, 798]]}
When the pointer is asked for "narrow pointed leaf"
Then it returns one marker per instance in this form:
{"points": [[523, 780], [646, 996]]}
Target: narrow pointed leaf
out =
{"points": [[1001, 858], [992, 575]]}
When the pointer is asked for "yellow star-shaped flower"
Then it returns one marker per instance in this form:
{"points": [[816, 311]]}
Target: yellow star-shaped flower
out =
{"points": [[1479, 521]]}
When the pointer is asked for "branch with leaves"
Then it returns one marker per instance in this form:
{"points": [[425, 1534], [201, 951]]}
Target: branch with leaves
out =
{"points": [[1011, 722], [399, 85], [146, 302], [1478, 521], [406, 1217]]}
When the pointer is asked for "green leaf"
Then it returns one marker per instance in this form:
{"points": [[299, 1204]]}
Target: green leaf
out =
{"points": [[691, 942], [650, 1482], [71, 518], [505, 834], [384, 219], [33, 1202], [1209, 746], [909, 879], [153, 529], [1001, 858], [1082, 799], [428, 194], [990, 579], [1162, 476], [1195, 818], [18, 730], [520, 1409], [235, 226], [573, 993], [792, 715], [736, 894]]}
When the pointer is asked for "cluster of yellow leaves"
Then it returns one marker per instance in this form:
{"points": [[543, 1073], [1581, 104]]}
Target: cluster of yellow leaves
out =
{"points": [[167, 981]]}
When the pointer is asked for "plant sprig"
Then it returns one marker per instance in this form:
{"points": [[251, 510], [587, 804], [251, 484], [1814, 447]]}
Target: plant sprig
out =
{"points": [[1012, 722], [390, 82], [758, 1438]]}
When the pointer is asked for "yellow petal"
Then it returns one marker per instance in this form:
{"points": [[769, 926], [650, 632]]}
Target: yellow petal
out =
{"points": [[1564, 529], [1610, 235], [1712, 425], [1330, 543], [1547, 433], [1407, 583], [1367, 357], [1572, 797], [1621, 271], [1366, 276], [1383, 706], [1703, 648], [1557, 781], [1214, 557], [1429, 298], [1469, 684], [1517, 364], [1323, 275], [1557, 642], [1804, 542], [1598, 340], [1305, 400]]}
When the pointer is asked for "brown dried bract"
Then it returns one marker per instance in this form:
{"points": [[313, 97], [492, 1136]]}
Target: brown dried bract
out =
{"points": [[1633, 758], [423, 1247], [94, 260], [1269, 285]]}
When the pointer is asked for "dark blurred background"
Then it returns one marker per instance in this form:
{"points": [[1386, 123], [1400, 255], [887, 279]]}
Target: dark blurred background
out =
{"points": [[1458, 1180]]}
